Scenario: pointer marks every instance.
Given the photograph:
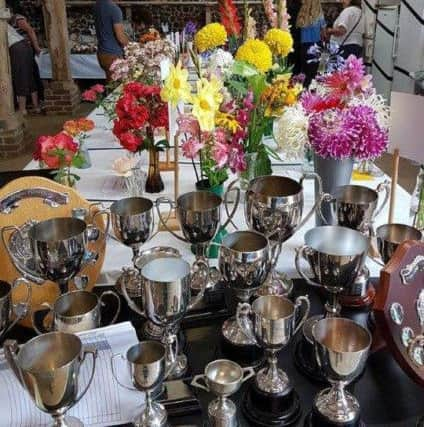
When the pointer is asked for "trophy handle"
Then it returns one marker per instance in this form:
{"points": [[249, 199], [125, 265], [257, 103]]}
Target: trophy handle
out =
{"points": [[301, 252], [204, 286], [383, 186], [195, 382], [20, 309], [302, 300], [118, 305], [168, 201], [93, 352], [98, 213], [115, 375], [317, 205], [248, 373], [3, 237], [38, 326], [243, 321], [230, 215], [131, 304]]}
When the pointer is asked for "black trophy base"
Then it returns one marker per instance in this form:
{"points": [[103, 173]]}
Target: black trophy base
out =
{"points": [[244, 355], [316, 419], [271, 410], [179, 399], [305, 361]]}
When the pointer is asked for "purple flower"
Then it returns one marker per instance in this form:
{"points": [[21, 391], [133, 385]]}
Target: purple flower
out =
{"points": [[190, 28]]}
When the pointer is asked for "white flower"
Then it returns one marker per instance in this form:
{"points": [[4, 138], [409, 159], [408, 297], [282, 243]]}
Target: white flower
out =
{"points": [[291, 131], [220, 61], [123, 166], [378, 104]]}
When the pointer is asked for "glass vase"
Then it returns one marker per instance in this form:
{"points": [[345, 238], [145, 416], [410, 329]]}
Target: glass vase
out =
{"points": [[250, 172], [154, 183]]}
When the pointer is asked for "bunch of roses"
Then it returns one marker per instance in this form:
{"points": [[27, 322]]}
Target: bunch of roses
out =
{"points": [[78, 126], [57, 151], [94, 93], [139, 111]]}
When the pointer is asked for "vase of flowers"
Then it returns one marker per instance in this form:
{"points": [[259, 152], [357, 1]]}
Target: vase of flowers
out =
{"points": [[78, 129], [141, 124]]}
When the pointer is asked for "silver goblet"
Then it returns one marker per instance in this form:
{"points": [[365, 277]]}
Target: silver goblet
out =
{"points": [[222, 378], [341, 348], [199, 215], [270, 322], [166, 299], [48, 368], [245, 261], [274, 206], [146, 365]]}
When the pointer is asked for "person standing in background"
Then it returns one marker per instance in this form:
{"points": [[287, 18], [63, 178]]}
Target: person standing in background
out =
{"points": [[311, 22], [348, 29], [110, 33], [293, 7]]}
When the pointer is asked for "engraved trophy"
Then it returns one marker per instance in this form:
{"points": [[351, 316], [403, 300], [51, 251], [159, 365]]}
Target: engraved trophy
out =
{"points": [[341, 348], [48, 368], [199, 215], [274, 206], [336, 255], [356, 207], [146, 366], [222, 378], [165, 301], [271, 321], [245, 261]]}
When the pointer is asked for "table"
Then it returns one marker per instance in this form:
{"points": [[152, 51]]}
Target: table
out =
{"points": [[82, 66]]}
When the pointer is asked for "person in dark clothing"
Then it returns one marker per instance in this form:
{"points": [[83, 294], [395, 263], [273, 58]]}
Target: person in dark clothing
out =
{"points": [[293, 7]]}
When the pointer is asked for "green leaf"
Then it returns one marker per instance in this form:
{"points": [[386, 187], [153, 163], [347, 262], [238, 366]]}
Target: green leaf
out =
{"points": [[238, 87], [263, 163], [243, 69], [258, 84]]}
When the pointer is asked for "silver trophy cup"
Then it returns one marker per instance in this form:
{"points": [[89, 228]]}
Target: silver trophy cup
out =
{"points": [[341, 348], [245, 261], [199, 215], [166, 299], [8, 309], [274, 207], [146, 367], [222, 378], [74, 312], [59, 249], [271, 322], [48, 368], [336, 256]]}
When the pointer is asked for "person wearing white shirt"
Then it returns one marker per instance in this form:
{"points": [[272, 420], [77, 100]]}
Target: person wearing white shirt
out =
{"points": [[348, 29]]}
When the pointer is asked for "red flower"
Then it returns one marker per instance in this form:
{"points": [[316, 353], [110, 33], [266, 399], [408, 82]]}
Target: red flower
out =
{"points": [[229, 17], [160, 118], [56, 151], [98, 88], [89, 95], [121, 126], [134, 88], [130, 141]]}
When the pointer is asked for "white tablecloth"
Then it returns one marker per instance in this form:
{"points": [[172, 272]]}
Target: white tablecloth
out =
{"points": [[95, 185], [82, 66]]}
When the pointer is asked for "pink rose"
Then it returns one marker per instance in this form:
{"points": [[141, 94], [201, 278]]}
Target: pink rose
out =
{"points": [[89, 95], [98, 88], [130, 141]]}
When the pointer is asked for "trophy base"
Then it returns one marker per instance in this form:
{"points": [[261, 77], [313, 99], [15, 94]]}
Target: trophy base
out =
{"points": [[271, 409], [305, 361], [243, 354], [180, 368], [179, 399], [67, 421], [278, 283], [359, 301], [316, 419], [156, 418]]}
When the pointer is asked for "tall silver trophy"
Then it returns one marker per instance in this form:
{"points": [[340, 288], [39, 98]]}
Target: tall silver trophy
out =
{"points": [[274, 207], [341, 348], [48, 368], [199, 215], [166, 299]]}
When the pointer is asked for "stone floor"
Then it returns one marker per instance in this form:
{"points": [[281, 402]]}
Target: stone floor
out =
{"points": [[48, 125]]}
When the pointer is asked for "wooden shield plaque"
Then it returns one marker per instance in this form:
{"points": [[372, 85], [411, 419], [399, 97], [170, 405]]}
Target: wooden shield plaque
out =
{"points": [[399, 308]]}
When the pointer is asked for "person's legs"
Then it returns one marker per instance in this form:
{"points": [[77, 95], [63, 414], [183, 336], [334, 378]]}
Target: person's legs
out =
{"points": [[351, 49], [22, 104], [105, 61], [35, 102], [308, 68]]}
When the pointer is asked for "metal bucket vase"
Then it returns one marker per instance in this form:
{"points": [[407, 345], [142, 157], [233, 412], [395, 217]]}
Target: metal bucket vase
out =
{"points": [[334, 173]]}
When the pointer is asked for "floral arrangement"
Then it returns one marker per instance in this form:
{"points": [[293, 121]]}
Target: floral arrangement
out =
{"points": [[97, 95], [210, 37], [78, 128], [140, 111], [94, 94], [340, 117]]}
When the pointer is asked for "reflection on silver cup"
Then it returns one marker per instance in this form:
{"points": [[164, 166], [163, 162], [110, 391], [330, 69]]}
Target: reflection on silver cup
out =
{"points": [[271, 322], [75, 311], [341, 348], [48, 368], [390, 236], [222, 378], [244, 263], [146, 365], [7, 309], [336, 256], [58, 247]]}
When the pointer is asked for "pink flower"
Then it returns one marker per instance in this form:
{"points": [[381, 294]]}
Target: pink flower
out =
{"points": [[89, 95], [188, 124], [237, 161], [248, 101], [221, 152], [191, 147], [98, 88]]}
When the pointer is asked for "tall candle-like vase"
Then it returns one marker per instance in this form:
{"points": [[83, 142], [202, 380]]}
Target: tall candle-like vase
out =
{"points": [[154, 183]]}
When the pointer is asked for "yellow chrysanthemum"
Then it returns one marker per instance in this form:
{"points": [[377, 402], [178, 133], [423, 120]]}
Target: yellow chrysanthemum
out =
{"points": [[279, 41], [205, 104], [176, 87], [210, 37], [256, 53], [227, 121]]}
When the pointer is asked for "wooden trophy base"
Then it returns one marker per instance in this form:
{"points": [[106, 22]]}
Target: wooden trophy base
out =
{"points": [[358, 301], [316, 419], [271, 410]]}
